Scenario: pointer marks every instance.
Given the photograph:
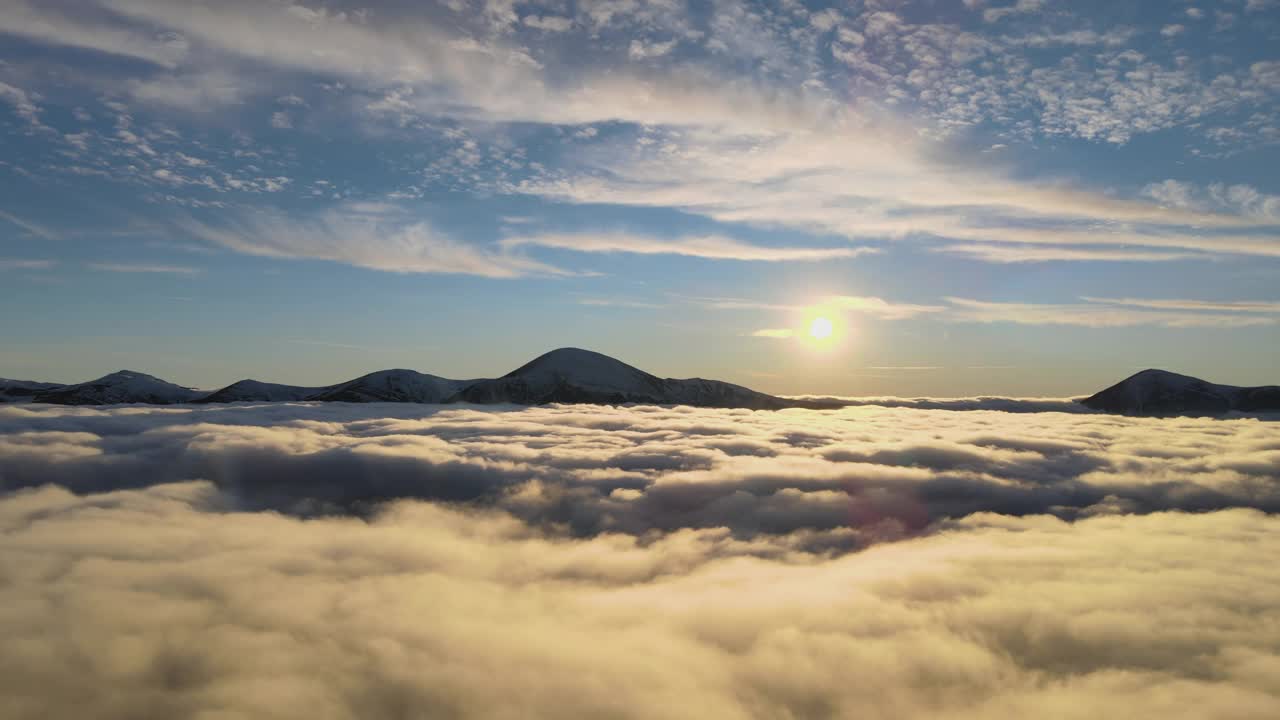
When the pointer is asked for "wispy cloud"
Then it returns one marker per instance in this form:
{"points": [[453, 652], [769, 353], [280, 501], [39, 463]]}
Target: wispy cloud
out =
{"points": [[19, 264], [765, 149], [1125, 238], [380, 239], [996, 14], [832, 182], [774, 333], [1094, 315], [1241, 306], [200, 91], [31, 227], [731, 303], [709, 246], [877, 307], [42, 21], [1092, 312], [619, 302], [144, 268], [865, 305], [1043, 253], [23, 104]]}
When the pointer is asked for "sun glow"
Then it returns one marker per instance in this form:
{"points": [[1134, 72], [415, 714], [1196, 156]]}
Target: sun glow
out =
{"points": [[820, 328]]}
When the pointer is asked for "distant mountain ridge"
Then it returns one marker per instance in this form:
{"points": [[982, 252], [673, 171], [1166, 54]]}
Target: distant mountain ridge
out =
{"points": [[124, 386], [394, 386], [1160, 392], [11, 390], [566, 375], [572, 375], [257, 391]]}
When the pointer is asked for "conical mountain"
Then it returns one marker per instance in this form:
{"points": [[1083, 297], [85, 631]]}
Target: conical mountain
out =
{"points": [[1160, 392]]}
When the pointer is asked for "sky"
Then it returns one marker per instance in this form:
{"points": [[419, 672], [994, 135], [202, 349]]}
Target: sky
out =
{"points": [[1032, 198]]}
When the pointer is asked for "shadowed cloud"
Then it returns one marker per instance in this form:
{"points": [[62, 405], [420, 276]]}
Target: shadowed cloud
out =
{"points": [[643, 468]]}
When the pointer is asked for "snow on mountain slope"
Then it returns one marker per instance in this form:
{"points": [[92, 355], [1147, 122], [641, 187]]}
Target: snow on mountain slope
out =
{"points": [[23, 390], [393, 386], [1159, 392], [125, 386], [567, 375], [714, 393], [572, 375], [560, 374], [256, 391]]}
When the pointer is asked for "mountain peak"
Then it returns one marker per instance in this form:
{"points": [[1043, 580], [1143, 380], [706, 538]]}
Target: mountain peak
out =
{"points": [[396, 385], [1161, 392], [133, 378], [568, 359], [1159, 374], [122, 386], [121, 375], [574, 375], [586, 369]]}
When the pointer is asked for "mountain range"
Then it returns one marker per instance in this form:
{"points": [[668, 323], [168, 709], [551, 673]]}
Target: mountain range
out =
{"points": [[571, 375], [567, 375], [20, 390]]}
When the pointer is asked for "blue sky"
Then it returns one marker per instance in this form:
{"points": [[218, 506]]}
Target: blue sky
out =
{"points": [[1031, 198]]}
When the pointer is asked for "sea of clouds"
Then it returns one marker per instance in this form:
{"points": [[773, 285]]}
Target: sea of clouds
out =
{"points": [[357, 561]]}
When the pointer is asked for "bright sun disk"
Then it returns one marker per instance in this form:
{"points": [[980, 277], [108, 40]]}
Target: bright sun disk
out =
{"points": [[820, 328]]}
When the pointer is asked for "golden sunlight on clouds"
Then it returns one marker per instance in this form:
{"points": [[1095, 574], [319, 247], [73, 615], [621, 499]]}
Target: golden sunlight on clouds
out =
{"points": [[819, 327], [775, 333]]}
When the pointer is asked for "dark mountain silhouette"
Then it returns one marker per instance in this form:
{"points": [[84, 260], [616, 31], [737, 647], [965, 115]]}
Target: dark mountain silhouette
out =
{"points": [[1159, 392], [567, 375]]}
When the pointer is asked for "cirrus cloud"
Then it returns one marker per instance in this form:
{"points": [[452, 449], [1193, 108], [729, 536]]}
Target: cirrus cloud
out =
{"points": [[708, 246], [1103, 313], [372, 238]]}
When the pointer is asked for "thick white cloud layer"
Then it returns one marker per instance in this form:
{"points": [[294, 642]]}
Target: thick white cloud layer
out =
{"points": [[157, 603], [847, 477], [641, 562]]}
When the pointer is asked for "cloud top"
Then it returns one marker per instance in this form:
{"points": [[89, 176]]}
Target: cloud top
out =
{"points": [[158, 601], [386, 560], [854, 476]]}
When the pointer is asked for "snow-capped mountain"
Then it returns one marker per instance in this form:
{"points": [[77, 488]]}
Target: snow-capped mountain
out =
{"points": [[567, 375], [571, 375], [257, 391], [1159, 392], [381, 386], [125, 386], [393, 386], [23, 390]]}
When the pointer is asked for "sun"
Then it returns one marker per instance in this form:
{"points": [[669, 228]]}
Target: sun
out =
{"points": [[820, 328]]}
